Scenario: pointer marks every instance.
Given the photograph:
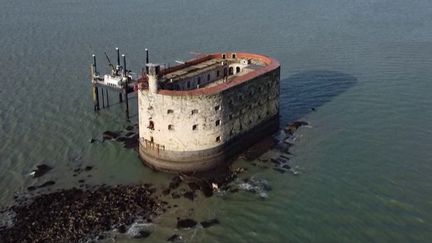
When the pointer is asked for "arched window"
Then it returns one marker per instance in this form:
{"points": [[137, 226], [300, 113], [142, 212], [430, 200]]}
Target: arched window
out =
{"points": [[237, 69]]}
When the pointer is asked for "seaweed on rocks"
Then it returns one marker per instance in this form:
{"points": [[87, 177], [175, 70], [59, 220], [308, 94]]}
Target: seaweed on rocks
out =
{"points": [[74, 214], [186, 223], [209, 223], [40, 170], [175, 238], [109, 135], [292, 127]]}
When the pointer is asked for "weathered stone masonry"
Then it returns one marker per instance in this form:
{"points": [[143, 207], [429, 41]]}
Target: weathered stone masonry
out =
{"points": [[194, 128]]}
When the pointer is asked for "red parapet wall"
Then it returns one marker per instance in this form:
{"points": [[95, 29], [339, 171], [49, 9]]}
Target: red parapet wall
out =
{"points": [[270, 65]]}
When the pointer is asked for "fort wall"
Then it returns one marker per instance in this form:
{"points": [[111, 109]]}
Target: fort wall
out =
{"points": [[198, 129]]}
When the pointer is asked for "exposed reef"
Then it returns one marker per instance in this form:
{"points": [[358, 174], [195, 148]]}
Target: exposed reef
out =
{"points": [[75, 214], [95, 213]]}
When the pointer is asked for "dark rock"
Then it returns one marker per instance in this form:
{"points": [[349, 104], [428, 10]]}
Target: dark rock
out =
{"points": [[41, 170], [131, 142], [189, 195], [92, 140], [81, 181], [292, 127], [48, 183], [129, 134], [193, 186], [142, 234], [122, 229], [175, 238], [279, 170], [100, 237], [175, 195], [206, 189], [88, 168], [313, 109], [234, 190], [209, 223], [186, 223], [31, 188], [175, 182], [109, 135], [166, 191], [286, 167]]}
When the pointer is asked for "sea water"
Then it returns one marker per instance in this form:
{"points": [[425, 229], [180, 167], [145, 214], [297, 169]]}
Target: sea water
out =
{"points": [[364, 66]]}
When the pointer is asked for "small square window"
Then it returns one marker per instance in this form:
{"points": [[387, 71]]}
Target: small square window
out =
{"points": [[217, 108], [218, 139], [233, 56], [169, 111], [170, 127], [195, 127], [195, 111], [218, 122]]}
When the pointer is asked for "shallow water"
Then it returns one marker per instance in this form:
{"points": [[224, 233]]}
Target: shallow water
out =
{"points": [[364, 65]]}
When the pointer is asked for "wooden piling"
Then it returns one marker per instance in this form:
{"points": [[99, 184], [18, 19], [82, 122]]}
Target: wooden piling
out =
{"points": [[96, 98], [107, 98], [103, 98], [126, 86]]}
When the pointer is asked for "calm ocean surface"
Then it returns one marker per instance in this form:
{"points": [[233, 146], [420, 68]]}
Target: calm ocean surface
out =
{"points": [[366, 66]]}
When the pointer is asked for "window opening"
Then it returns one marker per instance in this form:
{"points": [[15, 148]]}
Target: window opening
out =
{"points": [[151, 125]]}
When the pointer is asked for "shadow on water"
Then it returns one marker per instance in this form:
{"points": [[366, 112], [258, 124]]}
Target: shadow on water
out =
{"points": [[305, 91]]}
